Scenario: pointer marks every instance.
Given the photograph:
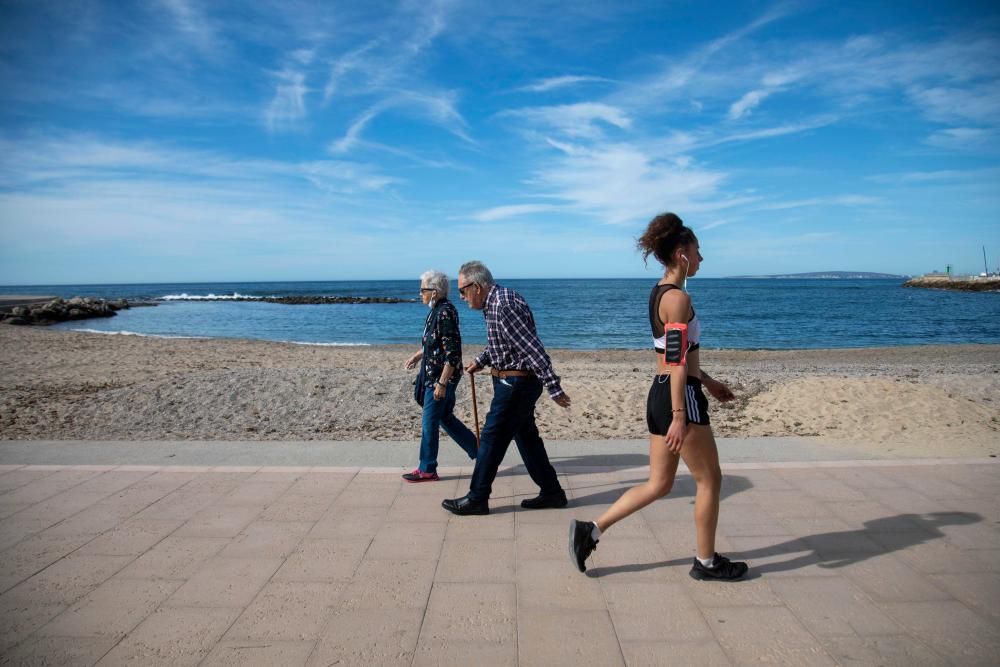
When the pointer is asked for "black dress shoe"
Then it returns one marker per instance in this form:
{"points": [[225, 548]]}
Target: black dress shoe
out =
{"points": [[463, 506], [543, 501]]}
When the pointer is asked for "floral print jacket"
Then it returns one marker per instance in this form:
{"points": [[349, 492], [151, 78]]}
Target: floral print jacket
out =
{"points": [[442, 342]]}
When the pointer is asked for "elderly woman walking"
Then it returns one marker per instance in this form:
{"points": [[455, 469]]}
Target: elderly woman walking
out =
{"points": [[441, 355]]}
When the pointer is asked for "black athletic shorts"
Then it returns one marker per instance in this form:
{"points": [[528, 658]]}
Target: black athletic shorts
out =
{"points": [[658, 408]]}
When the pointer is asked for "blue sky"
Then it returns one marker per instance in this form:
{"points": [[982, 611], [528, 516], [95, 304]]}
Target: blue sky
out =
{"points": [[188, 140]]}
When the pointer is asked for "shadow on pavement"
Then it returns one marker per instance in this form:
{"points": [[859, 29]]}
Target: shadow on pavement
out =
{"points": [[684, 487], [834, 549]]}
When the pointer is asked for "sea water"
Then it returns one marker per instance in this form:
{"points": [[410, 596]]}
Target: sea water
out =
{"points": [[580, 313]]}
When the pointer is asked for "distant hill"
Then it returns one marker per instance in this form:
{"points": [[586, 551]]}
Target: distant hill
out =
{"points": [[835, 275]]}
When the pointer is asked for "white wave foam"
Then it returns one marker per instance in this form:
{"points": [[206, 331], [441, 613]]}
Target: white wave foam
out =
{"points": [[206, 297], [136, 333]]}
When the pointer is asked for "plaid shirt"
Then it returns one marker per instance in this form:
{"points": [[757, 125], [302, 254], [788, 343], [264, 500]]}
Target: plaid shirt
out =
{"points": [[512, 341]]}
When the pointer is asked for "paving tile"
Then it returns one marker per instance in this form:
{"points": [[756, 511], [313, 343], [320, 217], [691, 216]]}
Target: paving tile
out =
{"points": [[51, 651], [382, 584], [350, 522], [894, 650], [363, 491], [20, 617], [324, 484], [323, 560], [746, 519], [832, 606], [255, 494], [19, 478], [790, 505], [267, 539], [262, 654], [218, 521], [477, 560], [407, 541], [420, 508], [34, 554], [624, 560], [42, 489], [904, 500], [931, 555], [111, 610], [472, 612], [571, 638], [556, 584], [131, 538], [755, 591], [172, 636], [541, 541], [225, 582], [364, 637], [68, 579], [765, 635], [180, 505], [888, 578], [490, 527], [949, 628], [648, 611], [981, 591], [301, 508], [704, 653], [174, 558], [286, 611], [462, 654]]}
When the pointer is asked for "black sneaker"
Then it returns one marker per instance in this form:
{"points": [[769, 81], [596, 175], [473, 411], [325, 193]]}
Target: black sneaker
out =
{"points": [[722, 569], [581, 543]]}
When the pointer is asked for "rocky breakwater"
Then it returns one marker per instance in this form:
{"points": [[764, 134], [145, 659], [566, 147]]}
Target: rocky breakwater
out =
{"points": [[970, 284], [59, 310]]}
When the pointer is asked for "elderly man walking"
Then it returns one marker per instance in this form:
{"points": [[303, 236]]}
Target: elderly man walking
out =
{"points": [[520, 367]]}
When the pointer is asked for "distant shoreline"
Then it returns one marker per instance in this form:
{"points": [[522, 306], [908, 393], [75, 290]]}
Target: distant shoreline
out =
{"points": [[824, 275]]}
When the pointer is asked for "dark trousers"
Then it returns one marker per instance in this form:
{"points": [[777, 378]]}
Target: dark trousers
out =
{"points": [[512, 417]]}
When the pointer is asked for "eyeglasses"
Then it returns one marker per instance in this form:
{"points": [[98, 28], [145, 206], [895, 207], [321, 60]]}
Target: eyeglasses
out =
{"points": [[461, 289], [427, 289]]}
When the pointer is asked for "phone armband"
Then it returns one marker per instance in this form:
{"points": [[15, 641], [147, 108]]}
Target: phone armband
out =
{"points": [[675, 351]]}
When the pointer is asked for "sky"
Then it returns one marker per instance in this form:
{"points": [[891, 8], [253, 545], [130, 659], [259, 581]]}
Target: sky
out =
{"points": [[208, 140]]}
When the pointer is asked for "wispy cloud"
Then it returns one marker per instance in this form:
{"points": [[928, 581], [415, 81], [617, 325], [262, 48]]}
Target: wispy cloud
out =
{"points": [[504, 212], [288, 104], [559, 82], [574, 120]]}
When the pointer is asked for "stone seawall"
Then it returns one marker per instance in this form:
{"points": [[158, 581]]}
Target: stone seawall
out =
{"points": [[959, 284]]}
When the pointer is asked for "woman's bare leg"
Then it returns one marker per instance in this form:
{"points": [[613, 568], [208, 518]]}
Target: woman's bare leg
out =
{"points": [[701, 456], [662, 470]]}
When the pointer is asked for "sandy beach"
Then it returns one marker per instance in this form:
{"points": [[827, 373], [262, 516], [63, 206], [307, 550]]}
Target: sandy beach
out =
{"points": [[906, 401]]}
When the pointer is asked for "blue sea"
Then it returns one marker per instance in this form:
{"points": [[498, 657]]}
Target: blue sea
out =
{"points": [[581, 313]]}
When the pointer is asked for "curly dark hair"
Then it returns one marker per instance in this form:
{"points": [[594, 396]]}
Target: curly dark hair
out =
{"points": [[665, 233]]}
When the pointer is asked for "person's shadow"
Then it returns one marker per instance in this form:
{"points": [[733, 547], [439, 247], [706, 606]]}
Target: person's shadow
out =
{"points": [[610, 492], [834, 549]]}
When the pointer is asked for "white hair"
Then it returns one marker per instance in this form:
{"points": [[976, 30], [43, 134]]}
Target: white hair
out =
{"points": [[437, 281], [477, 272]]}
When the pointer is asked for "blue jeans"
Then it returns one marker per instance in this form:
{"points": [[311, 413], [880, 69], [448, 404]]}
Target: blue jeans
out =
{"points": [[438, 415], [512, 417]]}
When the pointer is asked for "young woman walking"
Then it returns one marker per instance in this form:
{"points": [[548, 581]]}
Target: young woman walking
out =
{"points": [[676, 411]]}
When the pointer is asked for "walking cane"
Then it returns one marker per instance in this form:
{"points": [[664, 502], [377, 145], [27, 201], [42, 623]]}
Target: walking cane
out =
{"points": [[475, 409]]}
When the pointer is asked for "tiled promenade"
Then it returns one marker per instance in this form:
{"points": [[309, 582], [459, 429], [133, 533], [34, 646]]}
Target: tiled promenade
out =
{"points": [[853, 563]]}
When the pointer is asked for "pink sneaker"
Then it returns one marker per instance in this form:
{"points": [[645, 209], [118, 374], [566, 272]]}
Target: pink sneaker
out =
{"points": [[419, 476]]}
